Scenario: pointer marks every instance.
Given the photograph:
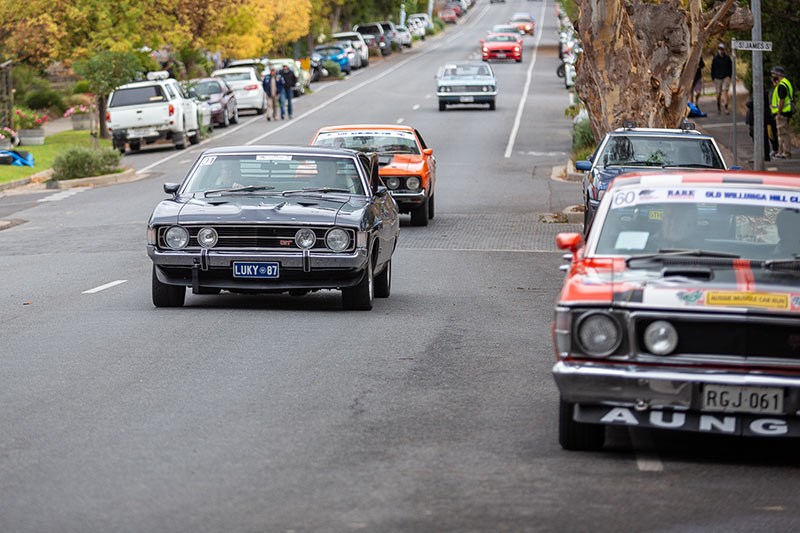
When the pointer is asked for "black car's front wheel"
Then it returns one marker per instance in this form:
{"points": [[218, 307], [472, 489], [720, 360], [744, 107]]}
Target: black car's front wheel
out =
{"points": [[165, 295], [360, 297], [383, 282]]}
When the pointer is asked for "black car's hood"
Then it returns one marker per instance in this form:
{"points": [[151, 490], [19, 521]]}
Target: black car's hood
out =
{"points": [[308, 209]]}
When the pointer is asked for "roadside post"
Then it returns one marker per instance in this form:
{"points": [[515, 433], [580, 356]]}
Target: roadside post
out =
{"points": [[757, 46]]}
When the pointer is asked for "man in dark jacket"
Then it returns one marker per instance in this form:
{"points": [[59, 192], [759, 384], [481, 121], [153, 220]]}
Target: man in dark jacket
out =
{"points": [[721, 72], [289, 81], [273, 86]]}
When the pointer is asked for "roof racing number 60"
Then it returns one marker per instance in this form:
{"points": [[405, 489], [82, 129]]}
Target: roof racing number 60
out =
{"points": [[623, 198]]}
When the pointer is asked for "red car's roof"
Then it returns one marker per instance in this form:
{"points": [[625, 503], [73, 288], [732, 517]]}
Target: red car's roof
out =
{"points": [[750, 177]]}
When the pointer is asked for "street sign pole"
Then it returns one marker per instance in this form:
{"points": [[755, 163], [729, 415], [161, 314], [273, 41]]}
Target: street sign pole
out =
{"points": [[758, 91], [733, 115]]}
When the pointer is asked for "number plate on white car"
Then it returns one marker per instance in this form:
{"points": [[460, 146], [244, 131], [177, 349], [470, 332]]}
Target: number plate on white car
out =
{"points": [[141, 132], [732, 399], [466, 99], [255, 270]]}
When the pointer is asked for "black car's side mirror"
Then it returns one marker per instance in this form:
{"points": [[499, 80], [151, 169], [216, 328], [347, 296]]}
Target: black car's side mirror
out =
{"points": [[172, 188], [583, 165], [381, 190]]}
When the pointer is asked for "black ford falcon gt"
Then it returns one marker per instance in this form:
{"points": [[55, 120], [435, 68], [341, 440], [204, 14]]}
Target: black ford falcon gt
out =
{"points": [[273, 219]]}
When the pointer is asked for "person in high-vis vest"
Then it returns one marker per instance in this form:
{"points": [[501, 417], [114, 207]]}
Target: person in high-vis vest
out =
{"points": [[781, 108]]}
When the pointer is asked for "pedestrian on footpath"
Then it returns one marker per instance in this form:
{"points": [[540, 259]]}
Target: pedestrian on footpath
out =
{"points": [[289, 81], [273, 87], [721, 72], [782, 108]]}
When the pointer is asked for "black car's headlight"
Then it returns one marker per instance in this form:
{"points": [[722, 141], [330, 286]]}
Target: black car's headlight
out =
{"points": [[337, 239], [207, 237], [305, 238], [599, 334], [661, 337], [412, 183], [176, 237]]}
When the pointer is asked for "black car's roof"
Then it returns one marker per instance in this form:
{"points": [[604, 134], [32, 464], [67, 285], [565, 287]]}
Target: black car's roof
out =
{"points": [[279, 149]]}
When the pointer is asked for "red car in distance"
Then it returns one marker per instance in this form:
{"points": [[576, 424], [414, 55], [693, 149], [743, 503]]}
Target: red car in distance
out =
{"points": [[502, 46], [448, 15]]}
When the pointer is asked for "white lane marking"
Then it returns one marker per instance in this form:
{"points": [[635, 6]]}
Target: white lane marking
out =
{"points": [[400, 120], [428, 96], [546, 154], [106, 286], [185, 160], [415, 107], [647, 460], [66, 193], [518, 119]]}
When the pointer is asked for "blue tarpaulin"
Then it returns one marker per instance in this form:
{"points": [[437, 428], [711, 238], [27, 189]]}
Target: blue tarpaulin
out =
{"points": [[16, 158]]}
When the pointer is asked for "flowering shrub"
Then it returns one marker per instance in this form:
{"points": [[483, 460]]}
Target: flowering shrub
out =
{"points": [[7, 134], [77, 110], [25, 119]]}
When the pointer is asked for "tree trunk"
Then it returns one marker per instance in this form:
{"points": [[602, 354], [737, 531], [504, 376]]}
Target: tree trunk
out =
{"points": [[639, 58], [101, 117]]}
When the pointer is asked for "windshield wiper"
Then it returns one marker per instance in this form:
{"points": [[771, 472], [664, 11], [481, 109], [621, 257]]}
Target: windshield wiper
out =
{"points": [[689, 165], [249, 188], [665, 253], [315, 189], [792, 263]]}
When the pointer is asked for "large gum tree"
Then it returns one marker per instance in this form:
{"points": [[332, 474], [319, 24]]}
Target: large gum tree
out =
{"points": [[640, 57]]}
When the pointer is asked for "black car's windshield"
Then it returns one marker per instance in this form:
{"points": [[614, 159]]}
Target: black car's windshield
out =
{"points": [[272, 173], [701, 220], [385, 142], [645, 150]]}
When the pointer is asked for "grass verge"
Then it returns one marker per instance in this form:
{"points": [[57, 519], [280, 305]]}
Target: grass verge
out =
{"points": [[44, 155]]}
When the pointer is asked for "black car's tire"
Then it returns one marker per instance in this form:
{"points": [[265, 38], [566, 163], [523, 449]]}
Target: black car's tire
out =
{"points": [[575, 435], [442, 106], [165, 295], [431, 207], [360, 297], [492, 105], [383, 282], [235, 117], [588, 216], [226, 119], [135, 146], [420, 215]]}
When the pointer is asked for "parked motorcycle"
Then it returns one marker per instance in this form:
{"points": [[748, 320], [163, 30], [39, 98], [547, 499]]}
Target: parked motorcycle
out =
{"points": [[317, 70]]}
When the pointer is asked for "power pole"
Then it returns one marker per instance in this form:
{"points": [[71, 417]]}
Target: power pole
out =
{"points": [[758, 91]]}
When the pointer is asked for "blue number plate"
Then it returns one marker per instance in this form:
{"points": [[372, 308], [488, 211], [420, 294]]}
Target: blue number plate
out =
{"points": [[255, 270]]}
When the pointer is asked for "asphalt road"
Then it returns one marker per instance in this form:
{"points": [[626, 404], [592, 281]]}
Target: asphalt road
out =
{"points": [[435, 411]]}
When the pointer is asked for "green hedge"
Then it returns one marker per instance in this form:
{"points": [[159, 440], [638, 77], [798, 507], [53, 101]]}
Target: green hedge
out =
{"points": [[81, 162]]}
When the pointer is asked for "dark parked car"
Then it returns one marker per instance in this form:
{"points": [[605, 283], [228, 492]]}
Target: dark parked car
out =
{"points": [[375, 29], [220, 98], [272, 219], [631, 149]]}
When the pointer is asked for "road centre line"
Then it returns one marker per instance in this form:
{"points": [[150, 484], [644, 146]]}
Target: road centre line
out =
{"points": [[106, 286], [520, 108], [401, 120]]}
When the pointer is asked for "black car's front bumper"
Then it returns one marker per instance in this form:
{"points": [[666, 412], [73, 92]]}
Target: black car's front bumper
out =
{"points": [[305, 270]]}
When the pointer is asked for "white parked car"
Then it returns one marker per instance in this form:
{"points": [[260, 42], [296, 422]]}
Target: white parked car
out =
{"points": [[358, 42], [422, 17], [416, 27], [246, 84], [404, 37]]}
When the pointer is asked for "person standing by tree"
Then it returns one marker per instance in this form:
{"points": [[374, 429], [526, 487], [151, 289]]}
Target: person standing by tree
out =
{"points": [[289, 81], [781, 108], [721, 72], [273, 87], [697, 86]]}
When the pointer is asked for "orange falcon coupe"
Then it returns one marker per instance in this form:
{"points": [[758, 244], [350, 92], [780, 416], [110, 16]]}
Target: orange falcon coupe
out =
{"points": [[524, 22], [407, 165]]}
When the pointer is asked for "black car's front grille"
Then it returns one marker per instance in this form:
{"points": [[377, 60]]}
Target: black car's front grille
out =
{"points": [[235, 237], [750, 337]]}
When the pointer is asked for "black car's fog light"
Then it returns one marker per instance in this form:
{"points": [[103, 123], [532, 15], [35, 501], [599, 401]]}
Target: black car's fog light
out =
{"points": [[305, 238], [207, 237]]}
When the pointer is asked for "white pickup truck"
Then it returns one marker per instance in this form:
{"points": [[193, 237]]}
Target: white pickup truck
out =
{"points": [[152, 110]]}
